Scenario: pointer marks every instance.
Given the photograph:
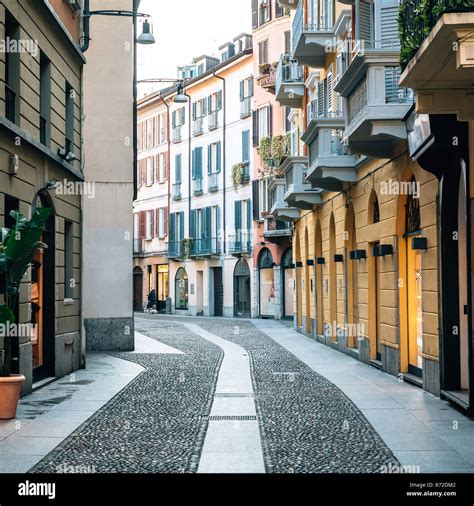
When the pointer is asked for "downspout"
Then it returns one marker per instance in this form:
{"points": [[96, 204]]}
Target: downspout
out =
{"points": [[86, 26], [189, 161], [224, 100]]}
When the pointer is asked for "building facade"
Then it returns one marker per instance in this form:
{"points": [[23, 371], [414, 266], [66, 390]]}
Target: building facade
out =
{"points": [[273, 294], [206, 164], [40, 161], [108, 168], [365, 256], [437, 64]]}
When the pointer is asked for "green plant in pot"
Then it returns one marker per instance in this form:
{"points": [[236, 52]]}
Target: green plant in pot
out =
{"points": [[18, 246]]}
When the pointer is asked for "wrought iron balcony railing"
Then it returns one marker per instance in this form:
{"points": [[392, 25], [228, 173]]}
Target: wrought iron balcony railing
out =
{"points": [[289, 71], [246, 107], [240, 242], [177, 135], [298, 26], [175, 249], [205, 246], [138, 245], [176, 191], [198, 126], [213, 120], [197, 186], [212, 182]]}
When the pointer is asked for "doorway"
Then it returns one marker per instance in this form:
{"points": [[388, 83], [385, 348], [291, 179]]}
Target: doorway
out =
{"points": [[137, 289], [267, 284], [288, 283], [162, 286], [242, 289], [218, 292], [43, 288], [199, 293]]}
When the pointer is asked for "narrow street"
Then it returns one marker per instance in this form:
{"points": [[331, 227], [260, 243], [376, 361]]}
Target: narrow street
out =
{"points": [[212, 395]]}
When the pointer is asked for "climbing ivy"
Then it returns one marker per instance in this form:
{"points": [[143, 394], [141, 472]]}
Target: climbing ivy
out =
{"points": [[236, 174]]}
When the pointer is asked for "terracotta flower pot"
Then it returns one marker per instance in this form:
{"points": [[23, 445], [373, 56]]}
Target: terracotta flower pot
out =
{"points": [[9, 395]]}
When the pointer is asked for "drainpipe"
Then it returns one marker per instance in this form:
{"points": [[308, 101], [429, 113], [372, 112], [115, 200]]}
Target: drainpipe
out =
{"points": [[224, 100], [86, 26], [189, 161]]}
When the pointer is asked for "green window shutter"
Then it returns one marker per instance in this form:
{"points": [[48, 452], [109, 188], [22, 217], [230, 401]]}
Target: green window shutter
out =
{"points": [[209, 103], [246, 146], [238, 219], [208, 221], [249, 215], [178, 168], [209, 159], [219, 99], [218, 156], [194, 164], [365, 21], [241, 90], [199, 162], [172, 227], [173, 119], [194, 110]]}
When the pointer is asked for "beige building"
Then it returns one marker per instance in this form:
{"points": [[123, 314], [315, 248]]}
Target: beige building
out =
{"points": [[40, 143], [108, 168]]}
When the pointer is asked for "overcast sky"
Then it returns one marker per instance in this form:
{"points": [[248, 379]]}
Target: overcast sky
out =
{"points": [[187, 28]]}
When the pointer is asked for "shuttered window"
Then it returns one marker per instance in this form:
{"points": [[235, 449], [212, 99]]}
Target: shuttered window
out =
{"points": [[388, 15], [365, 21], [246, 146], [177, 168], [263, 52], [255, 200]]}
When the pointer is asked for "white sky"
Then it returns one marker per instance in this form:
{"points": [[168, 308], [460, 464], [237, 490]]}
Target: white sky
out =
{"points": [[187, 28]]}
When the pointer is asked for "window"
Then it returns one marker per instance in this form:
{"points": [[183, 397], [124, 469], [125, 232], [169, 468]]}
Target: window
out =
{"points": [[197, 163], [45, 100], [199, 108], [286, 120], [263, 196], [162, 128], [68, 260], [264, 11], [246, 146], [149, 171], [263, 122], [215, 101], [279, 10], [177, 117], [162, 173], [136, 225], [160, 218], [12, 71], [263, 52], [149, 225], [246, 88], [69, 100], [181, 289], [214, 158]]}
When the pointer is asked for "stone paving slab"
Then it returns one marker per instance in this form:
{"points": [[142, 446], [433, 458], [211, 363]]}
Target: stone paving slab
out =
{"points": [[58, 409], [400, 412]]}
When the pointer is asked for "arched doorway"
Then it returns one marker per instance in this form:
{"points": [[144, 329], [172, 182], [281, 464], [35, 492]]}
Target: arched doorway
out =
{"points": [[307, 286], [242, 289], [137, 289], [267, 283], [373, 216], [288, 283], [181, 289], [352, 294], [298, 288], [43, 289], [332, 279], [410, 273], [318, 251]]}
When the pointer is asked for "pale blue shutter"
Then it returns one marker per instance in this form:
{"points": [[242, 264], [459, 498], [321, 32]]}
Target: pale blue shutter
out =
{"points": [[199, 162], [218, 156], [365, 21], [246, 146], [192, 224], [238, 220], [389, 24], [178, 168], [172, 227], [219, 100], [181, 225], [241, 90], [209, 159], [249, 216], [193, 173]]}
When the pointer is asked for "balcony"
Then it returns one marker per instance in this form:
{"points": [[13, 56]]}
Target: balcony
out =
{"points": [[176, 191], [138, 246], [246, 107], [311, 42], [330, 164], [198, 126], [375, 104], [267, 77], [197, 186], [290, 86], [240, 244], [213, 120], [277, 231], [212, 182], [280, 210], [205, 247], [437, 57], [175, 250], [299, 193], [177, 134], [245, 173]]}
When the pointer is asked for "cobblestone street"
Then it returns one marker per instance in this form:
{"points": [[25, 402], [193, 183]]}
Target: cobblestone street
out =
{"points": [[158, 423]]}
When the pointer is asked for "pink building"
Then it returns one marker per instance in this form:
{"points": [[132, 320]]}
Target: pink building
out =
{"points": [[273, 293]]}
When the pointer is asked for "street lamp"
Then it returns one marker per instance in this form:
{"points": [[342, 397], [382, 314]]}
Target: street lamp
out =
{"points": [[180, 97], [146, 38]]}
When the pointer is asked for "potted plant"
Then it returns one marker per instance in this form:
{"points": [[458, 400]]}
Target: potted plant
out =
{"points": [[264, 69], [18, 246]]}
